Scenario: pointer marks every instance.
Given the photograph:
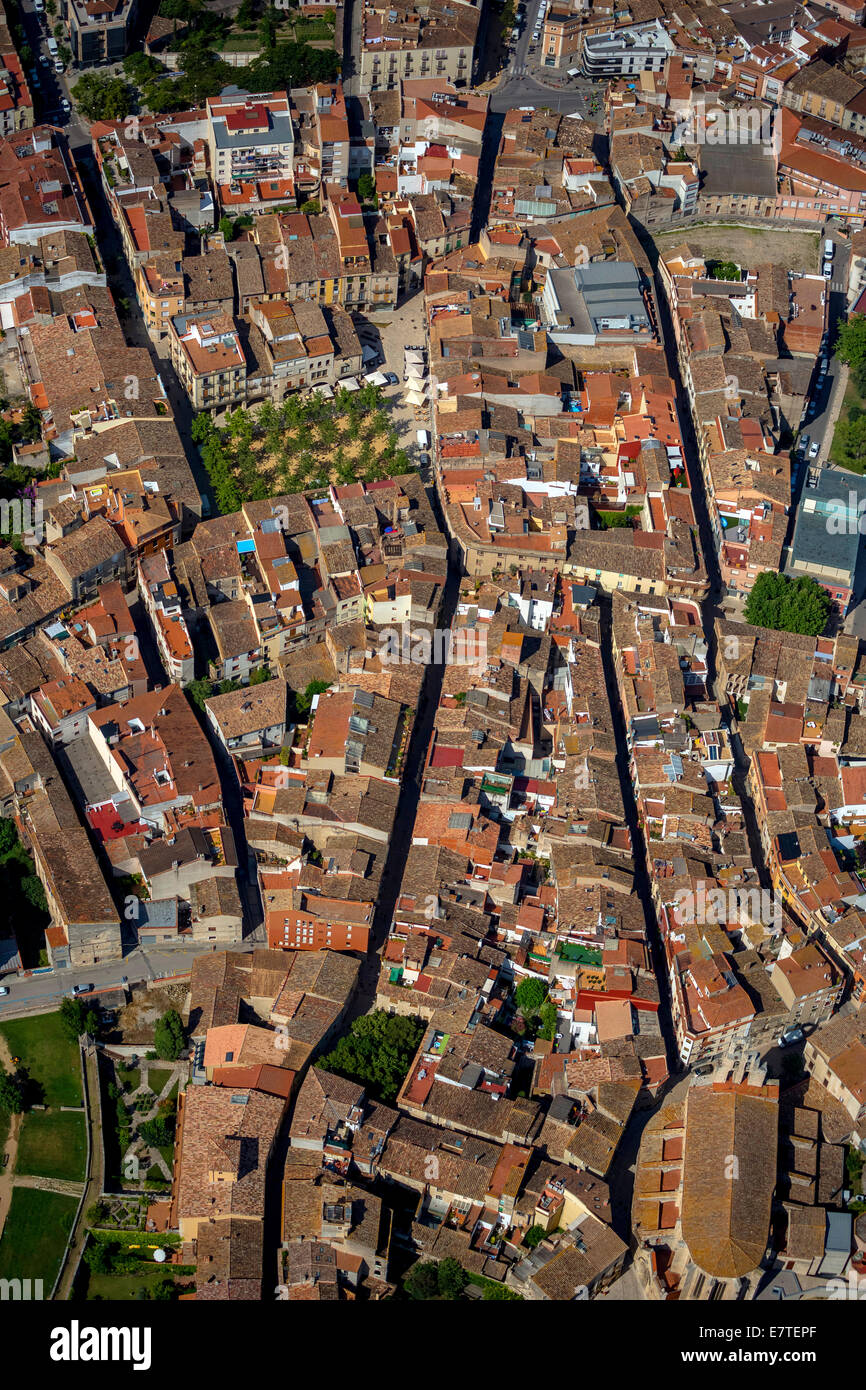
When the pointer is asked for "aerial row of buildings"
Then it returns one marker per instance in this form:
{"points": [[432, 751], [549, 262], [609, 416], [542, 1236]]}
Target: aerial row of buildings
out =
{"points": [[577, 826], [271, 311], [521, 867]]}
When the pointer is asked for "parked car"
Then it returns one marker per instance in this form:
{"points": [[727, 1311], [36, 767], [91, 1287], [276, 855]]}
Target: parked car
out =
{"points": [[828, 270], [814, 450], [424, 460], [65, 105], [58, 66], [45, 60], [391, 378], [81, 989], [804, 443], [4, 989]]}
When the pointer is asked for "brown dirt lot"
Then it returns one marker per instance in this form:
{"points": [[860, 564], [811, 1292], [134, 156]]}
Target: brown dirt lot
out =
{"points": [[749, 246], [137, 1021]]}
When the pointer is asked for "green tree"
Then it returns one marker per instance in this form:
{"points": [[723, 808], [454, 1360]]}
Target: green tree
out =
{"points": [[12, 1093], [201, 689], [168, 1036], [31, 887], [164, 1291], [303, 700], [139, 67], [72, 1018], [260, 675], [100, 1255], [102, 98], [311, 207], [849, 441], [500, 1293], [530, 995], [451, 1278], [787, 605], [367, 188], [851, 342], [31, 422], [376, 1052], [91, 1023], [157, 1132], [8, 835], [534, 1236], [547, 1018], [422, 1281]]}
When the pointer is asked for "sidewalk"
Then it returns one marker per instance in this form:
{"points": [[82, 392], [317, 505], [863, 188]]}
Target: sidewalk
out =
{"points": [[10, 1148], [94, 1185], [834, 408]]}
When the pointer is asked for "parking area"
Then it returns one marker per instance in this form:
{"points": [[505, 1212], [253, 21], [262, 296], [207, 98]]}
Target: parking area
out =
{"points": [[10, 365], [391, 333]]}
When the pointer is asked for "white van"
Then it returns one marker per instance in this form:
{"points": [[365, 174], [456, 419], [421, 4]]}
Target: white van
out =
{"points": [[829, 248], [423, 437], [51, 45]]}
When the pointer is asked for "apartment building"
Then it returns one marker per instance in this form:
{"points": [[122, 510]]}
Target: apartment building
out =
{"points": [[100, 31], [623, 53], [403, 40], [163, 604], [207, 355], [836, 1058], [251, 145], [16, 100], [40, 190]]}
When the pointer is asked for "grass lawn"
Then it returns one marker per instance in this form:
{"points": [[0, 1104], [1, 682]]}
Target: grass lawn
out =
{"points": [[852, 397], [123, 1288], [35, 1235], [126, 1286], [130, 1077], [5, 1126], [48, 1055], [52, 1145], [156, 1079], [307, 30], [493, 1289]]}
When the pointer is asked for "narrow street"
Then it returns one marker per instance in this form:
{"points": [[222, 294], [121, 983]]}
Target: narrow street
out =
{"points": [[710, 608], [484, 187], [641, 872], [132, 321], [410, 793]]}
